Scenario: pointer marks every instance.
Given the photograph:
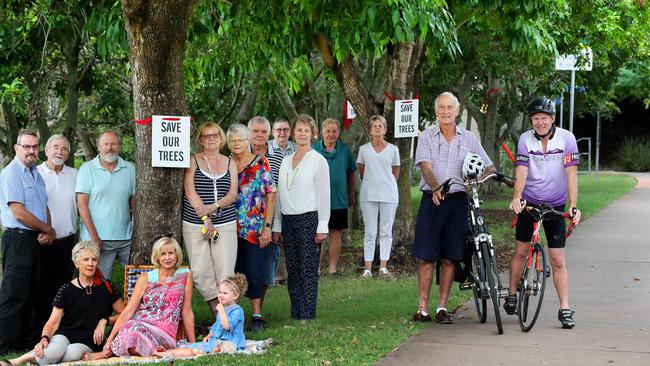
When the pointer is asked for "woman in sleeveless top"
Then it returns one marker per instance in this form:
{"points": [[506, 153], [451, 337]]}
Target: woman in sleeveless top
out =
{"points": [[209, 217], [160, 298], [255, 205]]}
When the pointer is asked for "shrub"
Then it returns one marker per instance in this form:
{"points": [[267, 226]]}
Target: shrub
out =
{"points": [[634, 155]]}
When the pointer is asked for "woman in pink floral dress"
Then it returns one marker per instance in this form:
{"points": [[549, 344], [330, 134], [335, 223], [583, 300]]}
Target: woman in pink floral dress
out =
{"points": [[150, 319]]}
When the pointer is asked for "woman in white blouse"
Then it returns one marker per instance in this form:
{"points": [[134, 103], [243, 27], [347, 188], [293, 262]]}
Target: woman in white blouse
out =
{"points": [[302, 216], [378, 163]]}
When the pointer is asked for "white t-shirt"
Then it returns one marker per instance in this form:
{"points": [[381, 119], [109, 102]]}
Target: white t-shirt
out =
{"points": [[304, 189], [61, 198], [378, 184]]}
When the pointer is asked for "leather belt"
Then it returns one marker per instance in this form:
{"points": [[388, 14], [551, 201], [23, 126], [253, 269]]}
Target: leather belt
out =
{"points": [[23, 231], [69, 237]]}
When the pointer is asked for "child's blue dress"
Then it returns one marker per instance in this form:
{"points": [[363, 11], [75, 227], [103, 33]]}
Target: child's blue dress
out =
{"points": [[235, 315]]}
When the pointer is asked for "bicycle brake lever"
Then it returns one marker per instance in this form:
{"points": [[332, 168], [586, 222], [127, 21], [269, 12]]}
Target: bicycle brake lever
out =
{"points": [[445, 187]]}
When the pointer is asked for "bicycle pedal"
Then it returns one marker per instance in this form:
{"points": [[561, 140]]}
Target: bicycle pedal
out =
{"points": [[503, 293], [466, 286]]}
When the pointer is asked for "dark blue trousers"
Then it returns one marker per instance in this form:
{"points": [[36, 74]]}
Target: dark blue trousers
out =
{"points": [[20, 261], [302, 258]]}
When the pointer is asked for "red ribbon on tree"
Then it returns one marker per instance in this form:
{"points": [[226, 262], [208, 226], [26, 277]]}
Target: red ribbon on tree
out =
{"points": [[143, 122]]}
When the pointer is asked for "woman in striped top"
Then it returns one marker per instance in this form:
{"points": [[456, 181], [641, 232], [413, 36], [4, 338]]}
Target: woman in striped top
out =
{"points": [[209, 216]]}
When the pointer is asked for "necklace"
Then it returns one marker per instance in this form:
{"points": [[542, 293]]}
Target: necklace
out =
{"points": [[213, 175], [293, 172], [89, 288], [293, 178]]}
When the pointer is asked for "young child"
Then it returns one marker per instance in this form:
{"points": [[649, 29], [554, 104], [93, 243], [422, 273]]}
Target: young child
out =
{"points": [[227, 333]]}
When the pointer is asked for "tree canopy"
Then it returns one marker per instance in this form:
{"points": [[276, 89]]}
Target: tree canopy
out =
{"points": [[68, 65]]}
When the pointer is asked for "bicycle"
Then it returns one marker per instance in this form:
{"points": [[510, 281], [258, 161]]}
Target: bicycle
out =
{"points": [[533, 279], [483, 276]]}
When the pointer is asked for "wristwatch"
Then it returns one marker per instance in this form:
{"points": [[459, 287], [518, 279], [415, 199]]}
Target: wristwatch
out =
{"points": [[267, 224]]}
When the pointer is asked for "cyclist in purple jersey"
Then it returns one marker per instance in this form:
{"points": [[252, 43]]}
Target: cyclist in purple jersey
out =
{"points": [[546, 172]]}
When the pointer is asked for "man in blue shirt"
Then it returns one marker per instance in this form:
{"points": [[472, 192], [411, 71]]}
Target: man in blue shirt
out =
{"points": [[26, 222], [105, 197]]}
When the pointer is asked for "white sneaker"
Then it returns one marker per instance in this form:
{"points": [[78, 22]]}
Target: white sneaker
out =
{"points": [[366, 273], [383, 272]]}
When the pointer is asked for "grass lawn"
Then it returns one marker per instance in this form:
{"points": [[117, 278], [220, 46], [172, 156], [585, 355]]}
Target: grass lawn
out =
{"points": [[361, 320]]}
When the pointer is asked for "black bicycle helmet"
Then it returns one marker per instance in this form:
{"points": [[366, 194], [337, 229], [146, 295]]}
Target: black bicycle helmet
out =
{"points": [[541, 104]]}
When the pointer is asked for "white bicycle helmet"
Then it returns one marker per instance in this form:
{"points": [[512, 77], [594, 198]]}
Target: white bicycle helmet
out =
{"points": [[473, 164]]}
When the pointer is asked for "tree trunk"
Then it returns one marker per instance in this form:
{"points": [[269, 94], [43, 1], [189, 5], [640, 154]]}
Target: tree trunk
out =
{"points": [[403, 66], [287, 104], [402, 84], [72, 48], [246, 108], [156, 32], [38, 85], [87, 145], [12, 129]]}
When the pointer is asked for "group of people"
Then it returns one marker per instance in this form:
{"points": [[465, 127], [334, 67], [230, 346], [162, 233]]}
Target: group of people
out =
{"points": [[262, 210], [546, 173]]}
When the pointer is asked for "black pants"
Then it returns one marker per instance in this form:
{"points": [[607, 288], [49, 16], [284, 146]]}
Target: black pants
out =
{"points": [[55, 269], [302, 257], [20, 262]]}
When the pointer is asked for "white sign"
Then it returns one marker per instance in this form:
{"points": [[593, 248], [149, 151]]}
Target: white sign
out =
{"points": [[170, 142], [350, 112], [406, 118], [584, 62]]}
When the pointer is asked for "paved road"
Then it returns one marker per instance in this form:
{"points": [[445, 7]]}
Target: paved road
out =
{"points": [[609, 269]]}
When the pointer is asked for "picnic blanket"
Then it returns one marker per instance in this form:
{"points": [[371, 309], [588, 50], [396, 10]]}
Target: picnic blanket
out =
{"points": [[252, 347]]}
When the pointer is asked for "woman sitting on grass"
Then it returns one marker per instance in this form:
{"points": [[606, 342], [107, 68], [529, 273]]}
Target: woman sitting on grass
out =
{"points": [[227, 333], [82, 310], [159, 299]]}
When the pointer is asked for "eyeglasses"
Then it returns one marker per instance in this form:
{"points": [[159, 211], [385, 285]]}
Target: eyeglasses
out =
{"points": [[29, 147], [281, 129], [237, 142], [211, 136]]}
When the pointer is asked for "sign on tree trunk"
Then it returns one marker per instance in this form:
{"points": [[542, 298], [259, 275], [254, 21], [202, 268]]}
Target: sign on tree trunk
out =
{"points": [[406, 118], [170, 142]]}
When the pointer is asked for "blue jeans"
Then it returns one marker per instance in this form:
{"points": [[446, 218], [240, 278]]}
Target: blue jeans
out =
{"points": [[111, 249]]}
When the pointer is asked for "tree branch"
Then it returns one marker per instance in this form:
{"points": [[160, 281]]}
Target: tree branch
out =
{"points": [[322, 44]]}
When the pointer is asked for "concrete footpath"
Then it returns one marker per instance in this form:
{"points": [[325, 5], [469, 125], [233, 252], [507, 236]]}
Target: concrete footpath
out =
{"points": [[608, 258]]}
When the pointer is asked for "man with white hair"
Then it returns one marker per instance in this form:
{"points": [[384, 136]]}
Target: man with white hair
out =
{"points": [[441, 225], [105, 196], [56, 266]]}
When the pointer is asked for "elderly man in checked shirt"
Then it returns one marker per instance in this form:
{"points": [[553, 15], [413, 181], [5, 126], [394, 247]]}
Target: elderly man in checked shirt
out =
{"points": [[441, 226]]}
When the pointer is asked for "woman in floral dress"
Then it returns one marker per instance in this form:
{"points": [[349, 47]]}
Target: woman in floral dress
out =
{"points": [[255, 205], [159, 300]]}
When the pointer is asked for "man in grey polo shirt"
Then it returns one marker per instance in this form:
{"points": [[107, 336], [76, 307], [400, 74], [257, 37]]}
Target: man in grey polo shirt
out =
{"points": [[105, 197], [26, 223]]}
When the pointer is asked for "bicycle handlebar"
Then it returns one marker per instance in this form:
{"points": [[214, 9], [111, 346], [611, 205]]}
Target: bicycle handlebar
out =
{"points": [[446, 185], [544, 211]]}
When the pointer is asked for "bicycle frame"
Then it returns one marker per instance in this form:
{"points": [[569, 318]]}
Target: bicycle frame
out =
{"points": [[533, 278], [481, 237], [484, 273], [534, 240]]}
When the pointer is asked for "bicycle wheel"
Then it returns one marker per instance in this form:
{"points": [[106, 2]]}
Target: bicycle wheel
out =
{"points": [[491, 273], [531, 289], [479, 300]]}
